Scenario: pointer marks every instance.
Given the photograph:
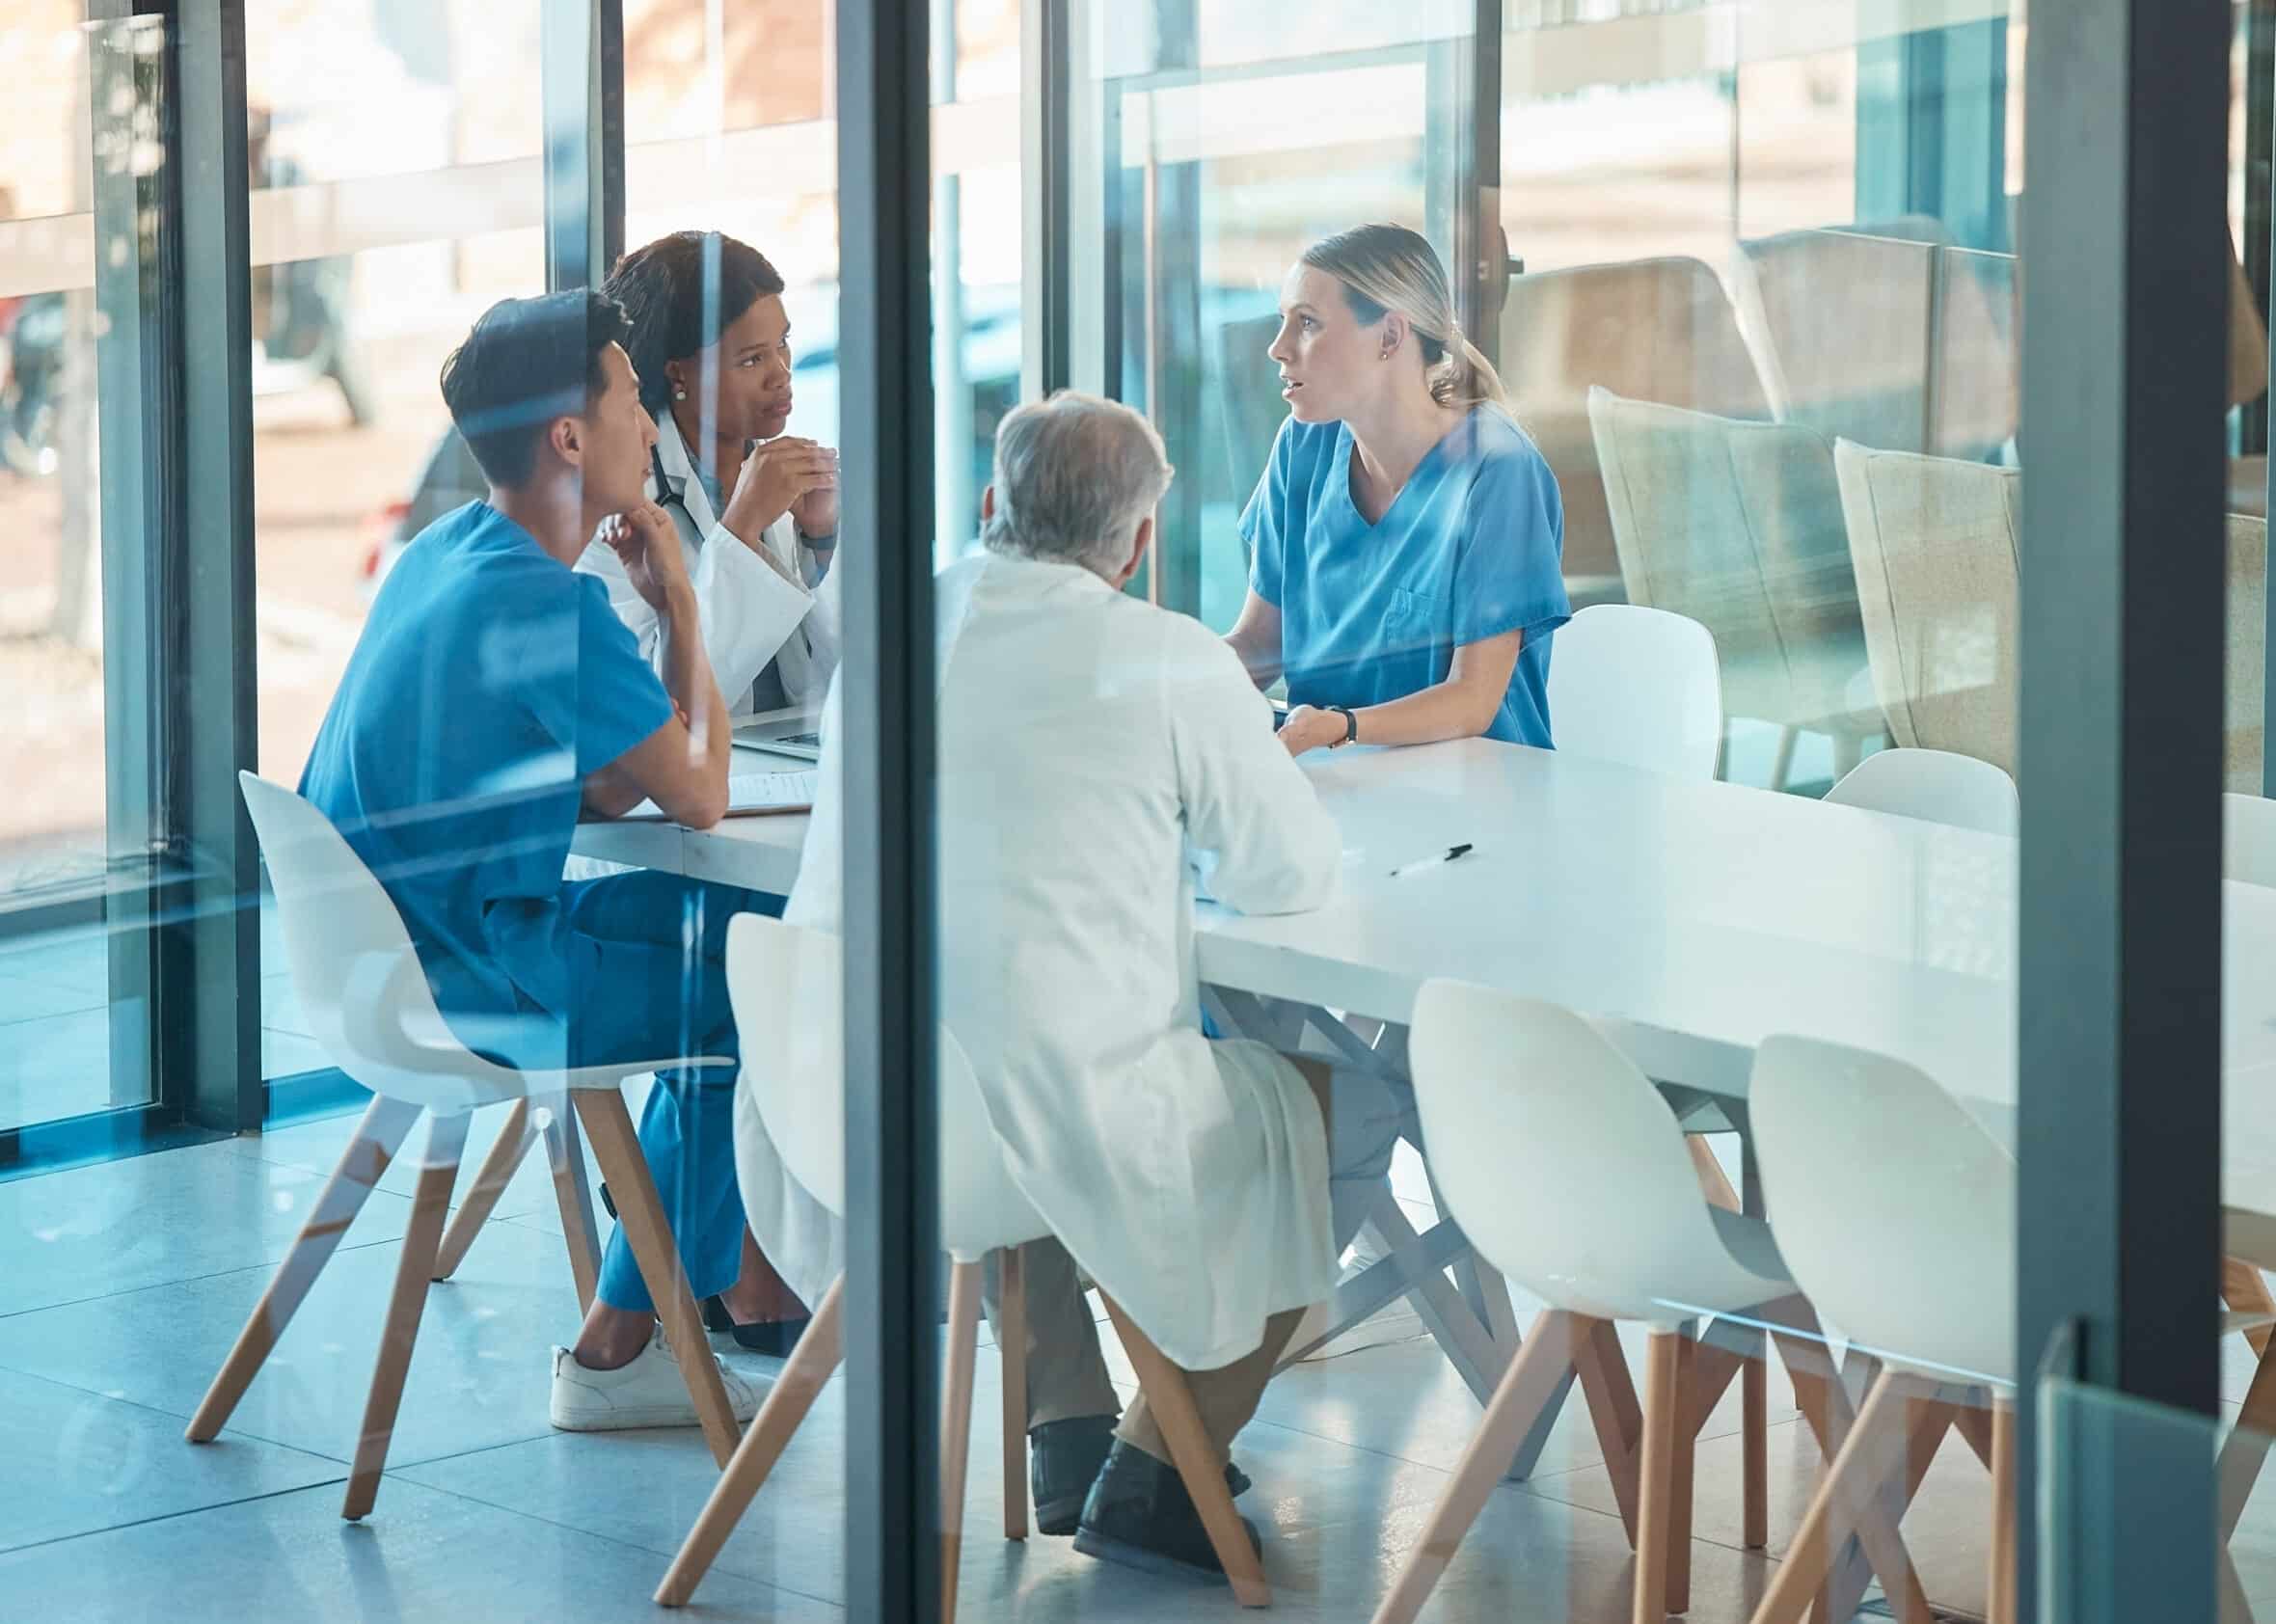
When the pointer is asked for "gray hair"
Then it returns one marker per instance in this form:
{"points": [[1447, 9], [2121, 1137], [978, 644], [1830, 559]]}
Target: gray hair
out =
{"points": [[1075, 475]]}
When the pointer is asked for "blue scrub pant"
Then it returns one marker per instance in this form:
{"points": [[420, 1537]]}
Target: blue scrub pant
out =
{"points": [[648, 979]]}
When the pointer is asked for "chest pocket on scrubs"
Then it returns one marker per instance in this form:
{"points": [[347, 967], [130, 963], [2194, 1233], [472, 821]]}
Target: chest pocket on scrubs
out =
{"points": [[1406, 620]]}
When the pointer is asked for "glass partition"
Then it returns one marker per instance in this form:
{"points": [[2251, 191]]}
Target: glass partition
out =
{"points": [[81, 256]]}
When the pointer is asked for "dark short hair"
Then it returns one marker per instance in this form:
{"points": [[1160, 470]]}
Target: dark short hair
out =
{"points": [[680, 293], [526, 363]]}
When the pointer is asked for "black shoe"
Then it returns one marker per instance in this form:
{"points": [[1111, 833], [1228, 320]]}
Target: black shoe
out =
{"points": [[1139, 1514], [1063, 1462], [771, 1336]]}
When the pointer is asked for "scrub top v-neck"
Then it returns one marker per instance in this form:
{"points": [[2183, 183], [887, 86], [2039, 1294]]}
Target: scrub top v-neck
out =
{"points": [[1470, 548]]}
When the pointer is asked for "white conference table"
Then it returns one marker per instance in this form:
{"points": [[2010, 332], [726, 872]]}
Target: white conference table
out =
{"points": [[1693, 919]]}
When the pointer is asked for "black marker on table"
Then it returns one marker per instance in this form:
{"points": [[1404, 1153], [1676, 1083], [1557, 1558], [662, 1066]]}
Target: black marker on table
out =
{"points": [[1421, 863]]}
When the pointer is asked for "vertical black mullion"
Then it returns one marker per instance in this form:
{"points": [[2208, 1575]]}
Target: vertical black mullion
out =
{"points": [[2259, 250], [2260, 177], [1173, 288], [208, 998], [2122, 578], [1462, 169], [136, 384], [1047, 133], [582, 69], [608, 134], [884, 179]]}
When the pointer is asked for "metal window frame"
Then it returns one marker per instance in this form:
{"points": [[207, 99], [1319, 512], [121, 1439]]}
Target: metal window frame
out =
{"points": [[885, 169], [206, 1003], [2119, 985], [1931, 130]]}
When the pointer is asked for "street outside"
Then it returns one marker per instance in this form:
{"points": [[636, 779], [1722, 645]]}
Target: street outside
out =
{"points": [[318, 483]]}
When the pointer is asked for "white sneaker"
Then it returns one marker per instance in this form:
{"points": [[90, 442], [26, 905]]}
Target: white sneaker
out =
{"points": [[649, 1392]]}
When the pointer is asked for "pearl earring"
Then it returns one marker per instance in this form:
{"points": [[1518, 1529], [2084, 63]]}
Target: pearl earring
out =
{"points": [[679, 394]]}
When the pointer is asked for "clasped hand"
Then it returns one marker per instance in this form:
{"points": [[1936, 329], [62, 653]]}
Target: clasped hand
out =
{"points": [[644, 542], [784, 476]]}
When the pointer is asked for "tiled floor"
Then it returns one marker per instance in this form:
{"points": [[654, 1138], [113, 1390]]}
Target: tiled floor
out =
{"points": [[56, 1025], [124, 1284]]}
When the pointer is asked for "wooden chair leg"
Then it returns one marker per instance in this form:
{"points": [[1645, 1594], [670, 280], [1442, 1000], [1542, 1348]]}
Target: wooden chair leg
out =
{"points": [[1171, 1402], [564, 1152], [641, 1210], [2002, 1593], [377, 1138], [1861, 1463], [1532, 1379], [1683, 1442], [2246, 1291], [1755, 1409], [1823, 1402], [482, 1198], [1661, 1391], [1753, 1373], [803, 1377], [1012, 1337], [2247, 1447], [414, 1273], [956, 1425], [1612, 1409]]}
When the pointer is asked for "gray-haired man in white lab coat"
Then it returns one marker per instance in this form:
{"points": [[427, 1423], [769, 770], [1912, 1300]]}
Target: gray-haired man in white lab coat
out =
{"points": [[1090, 745]]}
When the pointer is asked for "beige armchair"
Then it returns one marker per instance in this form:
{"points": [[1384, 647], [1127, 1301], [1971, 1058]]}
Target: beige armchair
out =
{"points": [[1650, 330], [1739, 525], [1936, 545]]}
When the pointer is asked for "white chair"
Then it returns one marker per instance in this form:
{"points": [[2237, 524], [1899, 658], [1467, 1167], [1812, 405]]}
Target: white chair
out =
{"points": [[1896, 1212], [788, 982], [1936, 786], [1637, 686], [361, 984], [1569, 1173]]}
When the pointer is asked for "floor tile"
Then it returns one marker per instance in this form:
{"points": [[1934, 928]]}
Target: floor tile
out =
{"points": [[79, 958], [279, 1006], [59, 1065], [73, 1462], [288, 1054], [28, 997], [478, 1378], [169, 1216], [1947, 1530], [420, 1556]]}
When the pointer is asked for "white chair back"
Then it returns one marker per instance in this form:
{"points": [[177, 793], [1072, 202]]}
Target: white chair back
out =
{"points": [[1893, 1208], [1639, 687], [354, 970], [786, 984], [1934, 785], [1562, 1163], [2248, 838]]}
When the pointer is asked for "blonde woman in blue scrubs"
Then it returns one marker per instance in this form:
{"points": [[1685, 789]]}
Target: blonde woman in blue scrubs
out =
{"points": [[1407, 538], [1407, 543]]}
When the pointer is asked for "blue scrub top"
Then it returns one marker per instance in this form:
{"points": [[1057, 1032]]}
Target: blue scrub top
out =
{"points": [[1470, 548], [489, 683]]}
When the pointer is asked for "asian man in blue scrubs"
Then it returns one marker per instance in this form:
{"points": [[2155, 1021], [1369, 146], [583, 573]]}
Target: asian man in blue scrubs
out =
{"points": [[494, 697]]}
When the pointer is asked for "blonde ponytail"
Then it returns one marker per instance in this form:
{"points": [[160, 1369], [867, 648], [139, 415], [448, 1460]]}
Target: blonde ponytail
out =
{"points": [[1390, 268], [1464, 377]]}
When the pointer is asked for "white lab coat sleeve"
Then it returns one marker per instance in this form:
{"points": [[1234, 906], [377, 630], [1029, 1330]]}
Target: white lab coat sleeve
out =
{"points": [[748, 609], [1247, 803]]}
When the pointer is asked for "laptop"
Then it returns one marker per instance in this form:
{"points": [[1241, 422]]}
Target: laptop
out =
{"points": [[783, 733]]}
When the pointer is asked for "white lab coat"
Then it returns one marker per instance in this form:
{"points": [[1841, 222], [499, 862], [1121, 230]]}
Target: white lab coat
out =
{"points": [[753, 615], [1089, 744]]}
